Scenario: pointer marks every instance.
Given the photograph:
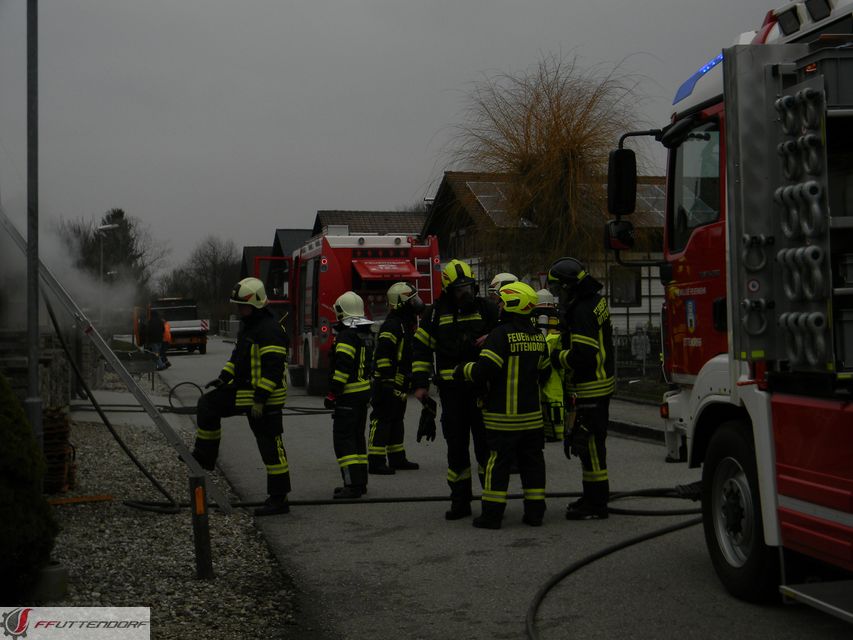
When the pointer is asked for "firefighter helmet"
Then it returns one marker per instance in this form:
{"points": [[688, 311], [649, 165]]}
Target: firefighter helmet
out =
{"points": [[500, 280], [250, 291], [456, 274], [349, 305], [518, 297], [403, 293], [545, 299], [567, 272]]}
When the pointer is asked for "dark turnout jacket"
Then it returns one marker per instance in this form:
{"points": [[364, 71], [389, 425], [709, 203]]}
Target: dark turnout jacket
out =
{"points": [[513, 363], [257, 363], [587, 353], [450, 333], [352, 363], [393, 364]]}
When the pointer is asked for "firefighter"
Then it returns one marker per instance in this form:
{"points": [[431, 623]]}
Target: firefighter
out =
{"points": [[551, 394], [349, 393], [392, 379], [497, 282], [513, 362], [452, 331], [587, 358], [252, 383]]}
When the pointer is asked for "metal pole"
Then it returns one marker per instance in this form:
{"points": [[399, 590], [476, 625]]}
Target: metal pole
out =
{"points": [[201, 528], [33, 401], [101, 291]]}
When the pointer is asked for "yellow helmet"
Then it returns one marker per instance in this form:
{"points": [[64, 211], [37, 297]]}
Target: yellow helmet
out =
{"points": [[500, 280], [250, 291], [456, 274], [518, 297], [401, 293], [349, 305]]}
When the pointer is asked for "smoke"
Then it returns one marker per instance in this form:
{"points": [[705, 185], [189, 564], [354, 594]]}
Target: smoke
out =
{"points": [[111, 301]]}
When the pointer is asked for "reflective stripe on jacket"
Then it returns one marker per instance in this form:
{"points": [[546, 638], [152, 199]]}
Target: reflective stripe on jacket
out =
{"points": [[258, 361], [352, 362], [511, 365]]}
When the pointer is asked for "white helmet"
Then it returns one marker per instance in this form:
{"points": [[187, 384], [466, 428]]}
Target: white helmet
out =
{"points": [[500, 280], [349, 309], [250, 291], [402, 293], [545, 299]]}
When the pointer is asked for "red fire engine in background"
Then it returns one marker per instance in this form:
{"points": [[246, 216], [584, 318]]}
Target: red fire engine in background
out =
{"points": [[330, 264], [758, 321]]}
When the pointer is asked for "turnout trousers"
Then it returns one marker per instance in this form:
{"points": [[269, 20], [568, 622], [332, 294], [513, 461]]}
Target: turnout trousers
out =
{"points": [[526, 448], [462, 422], [221, 403], [387, 427], [349, 422], [589, 443]]}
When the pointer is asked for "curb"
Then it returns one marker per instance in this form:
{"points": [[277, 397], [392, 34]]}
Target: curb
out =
{"points": [[641, 431]]}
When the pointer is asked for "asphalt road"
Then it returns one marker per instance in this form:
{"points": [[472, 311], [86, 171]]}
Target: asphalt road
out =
{"points": [[400, 571]]}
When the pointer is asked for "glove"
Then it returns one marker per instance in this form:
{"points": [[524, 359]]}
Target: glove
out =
{"points": [[215, 383], [459, 373], [329, 400], [426, 425], [257, 410], [577, 440]]}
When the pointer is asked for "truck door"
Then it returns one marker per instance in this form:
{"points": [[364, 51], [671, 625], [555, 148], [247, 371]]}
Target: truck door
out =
{"points": [[695, 249]]}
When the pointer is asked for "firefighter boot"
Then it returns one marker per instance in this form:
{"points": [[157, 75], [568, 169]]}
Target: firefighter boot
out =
{"points": [[205, 456], [459, 508], [274, 505], [534, 512], [349, 492], [491, 516], [399, 462], [376, 465]]}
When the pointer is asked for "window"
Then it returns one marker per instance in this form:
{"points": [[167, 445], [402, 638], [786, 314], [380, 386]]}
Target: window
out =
{"points": [[695, 185]]}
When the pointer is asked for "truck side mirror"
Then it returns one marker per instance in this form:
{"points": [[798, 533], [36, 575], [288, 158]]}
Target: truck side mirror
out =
{"points": [[621, 182], [619, 235]]}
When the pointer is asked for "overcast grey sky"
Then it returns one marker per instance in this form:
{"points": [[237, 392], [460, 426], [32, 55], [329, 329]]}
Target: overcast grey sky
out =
{"points": [[236, 118]]}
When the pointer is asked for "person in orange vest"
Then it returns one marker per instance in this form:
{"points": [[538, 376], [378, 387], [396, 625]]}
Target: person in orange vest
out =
{"points": [[164, 345], [157, 336]]}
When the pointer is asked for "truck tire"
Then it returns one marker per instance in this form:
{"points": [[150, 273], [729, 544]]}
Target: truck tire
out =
{"points": [[731, 515], [313, 384], [297, 376], [202, 349]]}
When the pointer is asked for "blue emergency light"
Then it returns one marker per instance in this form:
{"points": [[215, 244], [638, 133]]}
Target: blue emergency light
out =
{"points": [[687, 87]]}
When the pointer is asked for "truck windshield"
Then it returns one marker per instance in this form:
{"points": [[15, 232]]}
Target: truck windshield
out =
{"points": [[695, 168]]}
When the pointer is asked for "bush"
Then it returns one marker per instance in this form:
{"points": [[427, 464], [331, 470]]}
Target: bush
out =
{"points": [[27, 528]]}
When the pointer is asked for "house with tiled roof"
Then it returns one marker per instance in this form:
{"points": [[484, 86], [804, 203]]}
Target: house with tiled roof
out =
{"points": [[371, 222], [469, 205]]}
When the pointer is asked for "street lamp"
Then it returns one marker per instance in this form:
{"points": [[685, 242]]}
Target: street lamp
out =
{"points": [[100, 230]]}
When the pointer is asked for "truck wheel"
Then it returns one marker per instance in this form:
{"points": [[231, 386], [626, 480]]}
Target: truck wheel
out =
{"points": [[297, 376], [731, 514], [202, 349]]}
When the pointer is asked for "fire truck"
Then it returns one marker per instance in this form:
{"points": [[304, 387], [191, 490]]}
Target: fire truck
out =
{"points": [[336, 261], [757, 325]]}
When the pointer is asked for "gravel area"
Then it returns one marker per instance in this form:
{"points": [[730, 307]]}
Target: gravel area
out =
{"points": [[117, 555]]}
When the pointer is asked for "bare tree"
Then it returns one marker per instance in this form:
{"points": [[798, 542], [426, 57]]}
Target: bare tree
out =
{"points": [[550, 130], [208, 276]]}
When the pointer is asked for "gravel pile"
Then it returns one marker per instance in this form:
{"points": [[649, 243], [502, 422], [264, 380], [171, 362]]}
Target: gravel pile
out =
{"points": [[122, 556]]}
